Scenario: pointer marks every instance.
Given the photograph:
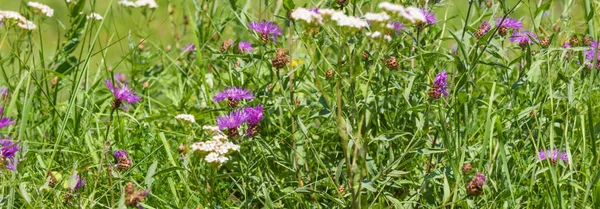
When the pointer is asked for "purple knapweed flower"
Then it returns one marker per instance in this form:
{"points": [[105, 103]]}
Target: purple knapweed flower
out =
{"points": [[233, 120], [523, 38], [429, 16], [80, 182], [245, 47], [268, 30], [233, 95], [7, 154], [189, 48], [314, 10], [553, 155], [254, 114], [396, 26], [589, 54], [567, 45], [5, 121], [483, 29], [120, 153], [439, 86], [509, 23], [123, 95]]}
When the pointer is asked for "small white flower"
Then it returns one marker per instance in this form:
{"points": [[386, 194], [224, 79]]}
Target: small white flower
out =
{"points": [[326, 13], [146, 3], [393, 8], [41, 8], [12, 16], [94, 16], [219, 137], [186, 117], [211, 129], [377, 17], [348, 21], [27, 25], [307, 16], [215, 158], [413, 15]]}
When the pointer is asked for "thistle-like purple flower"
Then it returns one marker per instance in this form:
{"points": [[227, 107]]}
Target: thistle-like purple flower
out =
{"points": [[189, 48], [523, 38], [396, 26], [314, 10], [268, 30], [483, 29], [233, 120], [567, 45], [509, 23], [254, 114], [429, 16], [589, 54], [233, 95], [245, 47], [121, 78], [439, 86], [5, 121], [552, 155], [120, 153], [80, 182], [123, 95], [7, 154]]}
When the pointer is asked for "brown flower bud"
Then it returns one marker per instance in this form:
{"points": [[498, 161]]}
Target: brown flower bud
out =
{"points": [[329, 74], [503, 30], [586, 41], [186, 20], [365, 55], [182, 149], [489, 3], [226, 44], [281, 59], [574, 41], [142, 45], [392, 63], [467, 168], [129, 188], [54, 81], [545, 42], [556, 28], [145, 84]]}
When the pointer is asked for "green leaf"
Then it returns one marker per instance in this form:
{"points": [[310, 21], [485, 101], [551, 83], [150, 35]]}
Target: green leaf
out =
{"points": [[150, 174]]}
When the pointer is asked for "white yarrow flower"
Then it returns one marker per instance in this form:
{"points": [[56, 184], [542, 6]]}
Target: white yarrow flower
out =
{"points": [[11, 16], [94, 16], [27, 25], [326, 13], [41, 8], [310, 17], [348, 21], [211, 129], [377, 17], [215, 158], [413, 15], [393, 8], [186, 117]]}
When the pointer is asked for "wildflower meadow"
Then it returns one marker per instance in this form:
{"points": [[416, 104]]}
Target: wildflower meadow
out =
{"points": [[299, 104]]}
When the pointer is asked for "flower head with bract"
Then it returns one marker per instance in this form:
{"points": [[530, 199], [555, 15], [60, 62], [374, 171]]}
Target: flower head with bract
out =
{"points": [[552, 155], [80, 182], [589, 54], [233, 93], [523, 38], [429, 16], [267, 29], [189, 48], [233, 120], [7, 154], [123, 95], [254, 114], [439, 85], [509, 23], [245, 47]]}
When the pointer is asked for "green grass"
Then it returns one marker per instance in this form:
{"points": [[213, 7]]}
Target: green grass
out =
{"points": [[361, 136]]}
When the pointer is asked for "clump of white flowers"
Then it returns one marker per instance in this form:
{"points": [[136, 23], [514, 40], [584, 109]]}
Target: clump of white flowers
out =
{"points": [[41, 8], [139, 3], [350, 22], [94, 16], [215, 151], [309, 16], [408, 14], [186, 118], [12, 17]]}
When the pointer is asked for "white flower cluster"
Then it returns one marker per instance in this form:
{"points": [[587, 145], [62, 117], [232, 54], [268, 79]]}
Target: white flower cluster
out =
{"points": [[408, 14], [184, 117], [378, 35], [96, 16], [351, 22], [381, 17], [217, 148], [18, 19], [139, 3], [41, 8], [308, 16]]}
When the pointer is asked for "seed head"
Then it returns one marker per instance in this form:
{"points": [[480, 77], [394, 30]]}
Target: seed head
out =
{"points": [[392, 63]]}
